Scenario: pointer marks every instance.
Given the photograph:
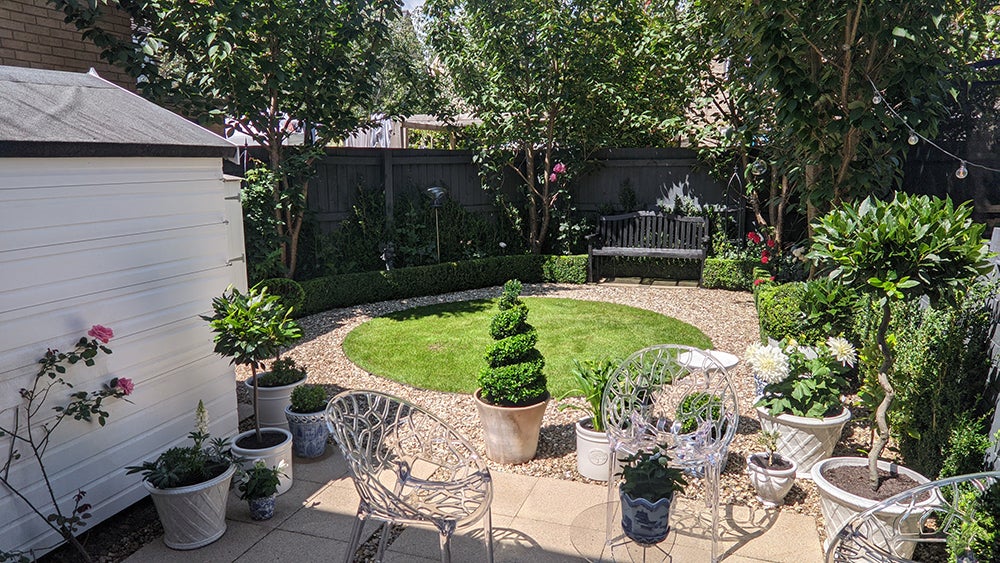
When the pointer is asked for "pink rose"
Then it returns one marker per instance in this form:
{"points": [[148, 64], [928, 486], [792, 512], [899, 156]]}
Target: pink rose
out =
{"points": [[125, 385], [559, 168], [102, 333], [553, 177]]}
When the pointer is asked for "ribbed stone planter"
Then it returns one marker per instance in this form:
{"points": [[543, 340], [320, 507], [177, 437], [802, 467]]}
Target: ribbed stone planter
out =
{"points": [[839, 506], [193, 516], [803, 440], [771, 484], [309, 432], [274, 456]]}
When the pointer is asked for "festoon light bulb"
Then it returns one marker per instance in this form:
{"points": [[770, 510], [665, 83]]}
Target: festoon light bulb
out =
{"points": [[876, 99], [913, 138], [962, 171], [758, 168]]}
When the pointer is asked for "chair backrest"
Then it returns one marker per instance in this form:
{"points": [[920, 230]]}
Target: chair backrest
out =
{"points": [[386, 440], [671, 394], [928, 513]]}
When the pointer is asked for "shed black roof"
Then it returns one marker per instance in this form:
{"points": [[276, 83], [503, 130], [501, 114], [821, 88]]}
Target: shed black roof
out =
{"points": [[48, 113]]}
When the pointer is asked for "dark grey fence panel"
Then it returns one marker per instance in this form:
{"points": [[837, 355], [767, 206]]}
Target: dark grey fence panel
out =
{"points": [[995, 342]]}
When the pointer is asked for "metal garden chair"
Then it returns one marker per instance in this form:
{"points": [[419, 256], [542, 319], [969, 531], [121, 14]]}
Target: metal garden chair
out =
{"points": [[409, 467], [658, 395], [889, 531]]}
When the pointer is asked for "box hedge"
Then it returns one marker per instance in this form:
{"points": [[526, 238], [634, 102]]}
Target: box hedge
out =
{"points": [[331, 292], [733, 274]]}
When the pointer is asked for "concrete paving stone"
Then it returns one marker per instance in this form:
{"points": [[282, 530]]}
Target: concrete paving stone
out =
{"points": [[329, 513], [510, 491], [559, 502], [328, 467], [239, 537], [281, 546], [527, 540], [791, 537], [285, 506], [466, 545]]}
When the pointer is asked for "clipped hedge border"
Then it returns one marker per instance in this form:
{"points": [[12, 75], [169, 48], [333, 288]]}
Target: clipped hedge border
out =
{"points": [[332, 292], [724, 273]]}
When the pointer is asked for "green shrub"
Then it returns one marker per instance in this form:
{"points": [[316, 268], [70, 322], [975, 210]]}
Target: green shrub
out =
{"points": [[734, 274], [323, 294], [941, 376], [290, 291], [283, 372], [779, 310], [308, 398], [513, 374]]}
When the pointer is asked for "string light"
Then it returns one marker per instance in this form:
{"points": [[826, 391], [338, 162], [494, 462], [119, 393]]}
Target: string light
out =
{"points": [[914, 138], [962, 171], [758, 168]]}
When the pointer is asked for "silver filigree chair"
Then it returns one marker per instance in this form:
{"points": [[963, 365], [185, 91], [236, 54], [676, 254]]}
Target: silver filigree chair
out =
{"points": [[409, 467], [660, 395], [928, 513]]}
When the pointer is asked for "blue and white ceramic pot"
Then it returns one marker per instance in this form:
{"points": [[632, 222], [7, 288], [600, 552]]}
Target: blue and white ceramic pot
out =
{"points": [[644, 522], [309, 433], [261, 508]]}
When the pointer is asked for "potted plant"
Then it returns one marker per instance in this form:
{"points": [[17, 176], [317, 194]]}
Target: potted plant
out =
{"points": [[259, 487], [512, 393], [250, 328], [307, 420], [910, 247], [274, 391], [771, 474], [647, 493], [695, 406], [592, 451], [189, 485], [800, 399]]}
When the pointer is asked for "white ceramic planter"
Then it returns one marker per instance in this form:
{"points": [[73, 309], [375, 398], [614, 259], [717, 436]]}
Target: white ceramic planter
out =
{"points": [[839, 506], [511, 433], [592, 452], [803, 440], [272, 457], [771, 484], [193, 516], [271, 402], [309, 432]]}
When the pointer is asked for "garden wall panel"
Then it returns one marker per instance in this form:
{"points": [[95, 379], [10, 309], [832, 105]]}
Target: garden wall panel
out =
{"points": [[995, 345], [140, 245]]}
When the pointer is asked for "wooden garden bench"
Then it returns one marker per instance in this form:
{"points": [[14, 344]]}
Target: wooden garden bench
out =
{"points": [[648, 234]]}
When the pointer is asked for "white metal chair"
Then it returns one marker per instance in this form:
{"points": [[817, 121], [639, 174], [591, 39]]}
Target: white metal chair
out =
{"points": [[409, 467], [888, 531], [659, 396]]}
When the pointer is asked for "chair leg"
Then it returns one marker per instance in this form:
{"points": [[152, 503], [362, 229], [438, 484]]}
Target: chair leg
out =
{"points": [[712, 477], [488, 534], [445, 547], [383, 541], [359, 525], [609, 524]]}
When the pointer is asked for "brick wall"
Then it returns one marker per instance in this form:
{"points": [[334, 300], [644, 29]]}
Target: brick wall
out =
{"points": [[33, 35]]}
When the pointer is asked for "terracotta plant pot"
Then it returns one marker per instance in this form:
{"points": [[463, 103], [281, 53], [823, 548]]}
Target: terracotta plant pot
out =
{"points": [[644, 522], [272, 456], [771, 484], [804, 440], [592, 452], [839, 506], [511, 433], [193, 516]]}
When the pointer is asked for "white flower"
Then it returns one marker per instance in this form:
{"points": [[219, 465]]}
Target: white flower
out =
{"points": [[201, 418], [768, 362], [842, 350], [503, 245]]}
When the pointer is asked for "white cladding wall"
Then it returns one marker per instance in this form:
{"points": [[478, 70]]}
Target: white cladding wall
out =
{"points": [[137, 244]]}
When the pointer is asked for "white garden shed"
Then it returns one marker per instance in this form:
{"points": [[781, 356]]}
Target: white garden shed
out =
{"points": [[113, 211]]}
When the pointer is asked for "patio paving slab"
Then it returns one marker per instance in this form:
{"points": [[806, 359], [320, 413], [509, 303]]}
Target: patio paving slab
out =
{"points": [[535, 519]]}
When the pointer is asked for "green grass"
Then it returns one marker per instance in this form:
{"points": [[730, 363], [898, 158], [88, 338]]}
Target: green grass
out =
{"points": [[441, 346]]}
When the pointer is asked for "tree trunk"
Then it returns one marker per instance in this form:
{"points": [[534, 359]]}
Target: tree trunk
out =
{"points": [[880, 414]]}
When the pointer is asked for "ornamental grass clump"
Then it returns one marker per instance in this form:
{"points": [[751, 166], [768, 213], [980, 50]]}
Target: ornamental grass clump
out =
{"points": [[513, 374], [802, 380], [908, 247]]}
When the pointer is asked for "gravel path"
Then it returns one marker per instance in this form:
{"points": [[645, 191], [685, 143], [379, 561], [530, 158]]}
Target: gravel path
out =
{"points": [[727, 317]]}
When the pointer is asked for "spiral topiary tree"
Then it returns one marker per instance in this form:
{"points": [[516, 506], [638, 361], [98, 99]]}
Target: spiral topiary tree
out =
{"points": [[513, 374]]}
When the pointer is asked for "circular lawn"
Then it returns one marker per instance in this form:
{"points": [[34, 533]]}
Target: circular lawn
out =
{"points": [[441, 347]]}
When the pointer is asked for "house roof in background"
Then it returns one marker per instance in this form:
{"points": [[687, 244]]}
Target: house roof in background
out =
{"points": [[47, 113]]}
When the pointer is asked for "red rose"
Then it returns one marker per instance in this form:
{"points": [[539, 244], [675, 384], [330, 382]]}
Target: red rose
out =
{"points": [[770, 243], [764, 257]]}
